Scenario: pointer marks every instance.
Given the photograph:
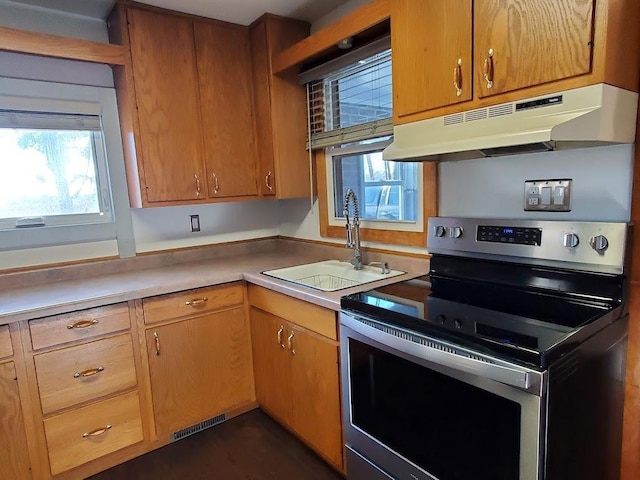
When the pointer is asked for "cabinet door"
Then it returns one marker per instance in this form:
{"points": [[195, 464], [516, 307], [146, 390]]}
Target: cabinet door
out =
{"points": [[271, 364], [431, 43], [315, 392], [524, 44], [14, 459], [199, 368], [226, 96], [166, 86], [261, 88]]}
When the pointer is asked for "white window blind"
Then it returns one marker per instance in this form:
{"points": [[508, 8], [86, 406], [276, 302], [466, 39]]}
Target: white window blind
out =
{"points": [[350, 99]]}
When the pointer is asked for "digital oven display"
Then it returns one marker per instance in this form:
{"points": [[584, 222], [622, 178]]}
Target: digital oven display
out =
{"points": [[513, 235]]}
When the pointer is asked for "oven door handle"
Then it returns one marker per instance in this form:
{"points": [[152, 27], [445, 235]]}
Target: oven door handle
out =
{"points": [[519, 377]]}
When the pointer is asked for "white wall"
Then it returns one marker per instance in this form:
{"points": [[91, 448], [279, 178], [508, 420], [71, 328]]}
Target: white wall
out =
{"points": [[494, 187], [169, 227], [337, 14], [43, 20]]}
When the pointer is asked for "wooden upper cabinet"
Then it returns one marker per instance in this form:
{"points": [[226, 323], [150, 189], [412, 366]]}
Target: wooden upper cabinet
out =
{"points": [[226, 101], [522, 44], [431, 42], [166, 86], [281, 110]]}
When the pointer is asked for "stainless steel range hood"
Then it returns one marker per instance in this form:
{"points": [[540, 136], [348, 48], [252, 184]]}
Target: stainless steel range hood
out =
{"points": [[584, 117]]}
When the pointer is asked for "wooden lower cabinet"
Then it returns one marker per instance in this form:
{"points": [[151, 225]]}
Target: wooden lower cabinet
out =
{"points": [[199, 368], [14, 457], [297, 381]]}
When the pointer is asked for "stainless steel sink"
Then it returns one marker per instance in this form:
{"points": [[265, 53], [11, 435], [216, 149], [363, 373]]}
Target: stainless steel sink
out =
{"points": [[330, 275]]}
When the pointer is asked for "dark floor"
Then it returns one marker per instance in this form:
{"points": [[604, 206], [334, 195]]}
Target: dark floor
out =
{"points": [[248, 447]]}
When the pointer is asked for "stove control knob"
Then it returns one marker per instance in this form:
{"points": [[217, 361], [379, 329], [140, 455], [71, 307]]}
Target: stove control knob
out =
{"points": [[570, 240], [441, 319], [455, 232], [439, 231], [599, 243], [457, 323]]}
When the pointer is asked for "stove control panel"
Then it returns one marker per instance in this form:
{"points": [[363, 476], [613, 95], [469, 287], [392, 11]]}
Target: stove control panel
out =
{"points": [[589, 246]]}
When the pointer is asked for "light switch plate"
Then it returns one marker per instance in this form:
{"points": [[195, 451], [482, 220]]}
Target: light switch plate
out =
{"points": [[552, 195]]}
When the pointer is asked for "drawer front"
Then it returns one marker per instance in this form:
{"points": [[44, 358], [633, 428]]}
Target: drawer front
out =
{"points": [[76, 326], [90, 432], [307, 315], [191, 302], [85, 372], [5, 342]]}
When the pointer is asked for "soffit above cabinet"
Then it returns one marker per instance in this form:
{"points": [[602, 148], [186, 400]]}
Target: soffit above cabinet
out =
{"points": [[236, 11]]}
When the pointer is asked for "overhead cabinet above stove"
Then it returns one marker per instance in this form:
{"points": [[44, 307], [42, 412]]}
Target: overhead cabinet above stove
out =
{"points": [[463, 54]]}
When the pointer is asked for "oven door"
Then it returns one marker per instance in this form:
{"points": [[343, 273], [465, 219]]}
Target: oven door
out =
{"points": [[416, 408]]}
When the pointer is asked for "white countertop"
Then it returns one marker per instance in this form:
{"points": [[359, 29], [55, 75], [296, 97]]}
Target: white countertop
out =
{"points": [[24, 303]]}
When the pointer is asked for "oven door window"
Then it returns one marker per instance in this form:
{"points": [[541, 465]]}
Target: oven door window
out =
{"points": [[448, 428]]}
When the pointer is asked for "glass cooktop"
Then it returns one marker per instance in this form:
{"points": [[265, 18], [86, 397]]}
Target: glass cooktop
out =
{"points": [[522, 324]]}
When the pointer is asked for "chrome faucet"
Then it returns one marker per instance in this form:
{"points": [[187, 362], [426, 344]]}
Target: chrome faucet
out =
{"points": [[353, 230]]}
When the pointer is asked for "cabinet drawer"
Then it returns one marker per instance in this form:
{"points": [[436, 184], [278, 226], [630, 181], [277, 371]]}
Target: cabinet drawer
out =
{"points": [[304, 314], [191, 302], [83, 325], [82, 435], [5, 342], [82, 373]]}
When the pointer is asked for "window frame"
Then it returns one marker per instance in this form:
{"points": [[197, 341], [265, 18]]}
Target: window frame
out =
{"points": [[32, 95]]}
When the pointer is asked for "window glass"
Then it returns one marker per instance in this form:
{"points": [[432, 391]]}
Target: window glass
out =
{"points": [[47, 172], [385, 190]]}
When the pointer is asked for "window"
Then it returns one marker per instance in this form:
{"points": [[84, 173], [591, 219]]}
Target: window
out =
{"points": [[62, 178], [350, 108], [388, 191], [52, 170]]}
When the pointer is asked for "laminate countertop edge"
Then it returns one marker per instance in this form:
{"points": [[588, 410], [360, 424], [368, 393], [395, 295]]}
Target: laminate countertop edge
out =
{"points": [[42, 300]]}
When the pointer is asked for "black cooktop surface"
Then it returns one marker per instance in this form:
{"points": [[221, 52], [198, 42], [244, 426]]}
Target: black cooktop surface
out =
{"points": [[513, 320]]}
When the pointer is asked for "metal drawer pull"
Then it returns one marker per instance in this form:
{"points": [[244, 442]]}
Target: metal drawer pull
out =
{"points": [[157, 340], [280, 342], [82, 324], [97, 432], [197, 301], [290, 342], [457, 78], [89, 372], [267, 182], [197, 185]]}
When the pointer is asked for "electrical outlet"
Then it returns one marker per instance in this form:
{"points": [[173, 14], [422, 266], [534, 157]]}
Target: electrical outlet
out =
{"points": [[195, 223], [548, 195]]}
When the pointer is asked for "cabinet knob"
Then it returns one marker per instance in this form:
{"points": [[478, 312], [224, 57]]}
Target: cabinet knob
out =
{"points": [[156, 338], [97, 432], [267, 181], [488, 69], [88, 373], [197, 185], [457, 78], [216, 185], [280, 342], [290, 343], [82, 324]]}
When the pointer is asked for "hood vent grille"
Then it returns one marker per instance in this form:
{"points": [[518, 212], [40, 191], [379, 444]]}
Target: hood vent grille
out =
{"points": [[481, 114], [499, 110], [591, 116]]}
